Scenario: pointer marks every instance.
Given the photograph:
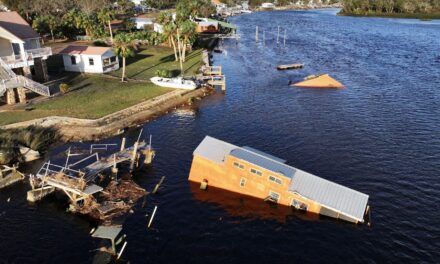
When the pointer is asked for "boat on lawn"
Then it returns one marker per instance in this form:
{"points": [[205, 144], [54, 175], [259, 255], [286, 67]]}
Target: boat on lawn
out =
{"points": [[177, 83]]}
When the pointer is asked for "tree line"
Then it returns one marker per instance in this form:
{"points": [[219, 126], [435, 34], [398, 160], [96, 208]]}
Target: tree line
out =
{"points": [[363, 7]]}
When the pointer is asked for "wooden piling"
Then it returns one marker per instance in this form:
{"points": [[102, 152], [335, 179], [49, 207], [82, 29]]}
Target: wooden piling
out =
{"points": [[158, 185], [152, 216]]}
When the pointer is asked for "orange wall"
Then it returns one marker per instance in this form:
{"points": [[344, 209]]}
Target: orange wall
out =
{"points": [[228, 177]]}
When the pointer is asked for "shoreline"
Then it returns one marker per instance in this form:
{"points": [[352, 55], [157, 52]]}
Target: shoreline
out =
{"points": [[434, 16], [75, 129]]}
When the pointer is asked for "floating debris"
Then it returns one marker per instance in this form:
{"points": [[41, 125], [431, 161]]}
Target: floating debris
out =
{"points": [[319, 81], [294, 66]]}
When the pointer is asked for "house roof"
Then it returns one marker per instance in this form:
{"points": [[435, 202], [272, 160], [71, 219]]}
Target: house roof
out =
{"points": [[16, 25], [84, 50], [321, 81], [332, 195], [263, 160], [214, 149]]}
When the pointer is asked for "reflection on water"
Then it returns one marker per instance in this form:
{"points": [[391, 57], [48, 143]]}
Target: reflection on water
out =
{"points": [[236, 204]]}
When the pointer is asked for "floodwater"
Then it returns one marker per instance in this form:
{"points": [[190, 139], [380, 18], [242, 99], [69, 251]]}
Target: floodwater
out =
{"points": [[380, 135]]}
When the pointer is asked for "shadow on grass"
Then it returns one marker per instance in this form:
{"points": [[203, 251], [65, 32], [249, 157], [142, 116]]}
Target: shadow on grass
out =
{"points": [[136, 58]]}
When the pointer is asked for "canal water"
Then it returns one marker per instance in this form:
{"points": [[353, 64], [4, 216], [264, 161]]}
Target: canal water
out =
{"points": [[380, 135]]}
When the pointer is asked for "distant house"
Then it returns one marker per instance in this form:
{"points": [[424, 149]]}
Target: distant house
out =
{"points": [[89, 59], [207, 26], [117, 25], [253, 173], [267, 5], [141, 22]]}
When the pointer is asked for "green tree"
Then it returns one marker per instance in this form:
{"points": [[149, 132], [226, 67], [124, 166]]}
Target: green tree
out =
{"points": [[105, 16], [124, 46]]}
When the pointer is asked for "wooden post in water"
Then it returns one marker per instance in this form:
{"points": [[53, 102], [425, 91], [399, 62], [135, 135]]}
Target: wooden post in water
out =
{"points": [[264, 37], [284, 37], [123, 144], [133, 156], [278, 35], [256, 34], [152, 216]]}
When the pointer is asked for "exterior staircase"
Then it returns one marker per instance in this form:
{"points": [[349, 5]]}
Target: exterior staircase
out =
{"points": [[9, 80]]}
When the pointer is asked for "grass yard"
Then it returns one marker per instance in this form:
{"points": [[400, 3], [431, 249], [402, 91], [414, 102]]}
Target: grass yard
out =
{"points": [[147, 61], [94, 96]]}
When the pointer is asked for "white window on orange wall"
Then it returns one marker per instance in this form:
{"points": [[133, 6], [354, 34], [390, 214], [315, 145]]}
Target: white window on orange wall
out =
{"points": [[275, 179], [256, 172], [242, 182], [238, 165], [274, 196]]}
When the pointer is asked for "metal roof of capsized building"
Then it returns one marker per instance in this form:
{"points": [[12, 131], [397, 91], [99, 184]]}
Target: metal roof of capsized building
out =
{"points": [[263, 161], [214, 149], [332, 195]]}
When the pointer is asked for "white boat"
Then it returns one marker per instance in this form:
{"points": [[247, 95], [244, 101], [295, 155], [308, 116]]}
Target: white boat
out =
{"points": [[178, 83]]}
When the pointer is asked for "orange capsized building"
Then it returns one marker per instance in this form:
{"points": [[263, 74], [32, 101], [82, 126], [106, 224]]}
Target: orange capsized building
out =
{"points": [[321, 81], [256, 174]]}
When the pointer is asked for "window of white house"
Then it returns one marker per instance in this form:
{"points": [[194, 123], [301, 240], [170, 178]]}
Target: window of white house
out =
{"points": [[113, 59], [73, 60], [256, 172], [91, 62], [238, 165], [274, 196], [106, 61], [242, 182], [275, 179], [299, 205]]}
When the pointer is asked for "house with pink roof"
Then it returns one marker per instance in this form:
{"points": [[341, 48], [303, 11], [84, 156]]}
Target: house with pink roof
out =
{"points": [[89, 59]]}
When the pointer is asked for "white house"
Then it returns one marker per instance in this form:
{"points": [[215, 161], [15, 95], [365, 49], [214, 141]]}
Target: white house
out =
{"points": [[21, 59], [19, 43], [89, 59], [267, 5], [140, 22]]}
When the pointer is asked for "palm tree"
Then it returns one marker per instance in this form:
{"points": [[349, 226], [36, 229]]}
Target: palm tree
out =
{"points": [[105, 16], [188, 33], [124, 47]]}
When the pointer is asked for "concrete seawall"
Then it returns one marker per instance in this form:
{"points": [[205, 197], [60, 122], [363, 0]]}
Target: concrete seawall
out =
{"points": [[73, 129]]}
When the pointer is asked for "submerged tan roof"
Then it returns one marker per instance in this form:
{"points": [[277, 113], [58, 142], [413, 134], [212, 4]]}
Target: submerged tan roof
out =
{"points": [[16, 25], [322, 81], [84, 50]]}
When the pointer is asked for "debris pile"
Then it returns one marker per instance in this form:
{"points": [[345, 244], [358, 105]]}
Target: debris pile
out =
{"points": [[115, 200]]}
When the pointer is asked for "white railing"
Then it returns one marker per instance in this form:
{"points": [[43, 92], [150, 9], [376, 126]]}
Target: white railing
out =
{"points": [[38, 53], [14, 81], [33, 86], [17, 61]]}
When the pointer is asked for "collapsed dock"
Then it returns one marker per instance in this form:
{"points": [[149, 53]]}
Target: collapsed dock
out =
{"points": [[91, 191]]}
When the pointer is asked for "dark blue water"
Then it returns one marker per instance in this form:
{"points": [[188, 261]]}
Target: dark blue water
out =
{"points": [[380, 135]]}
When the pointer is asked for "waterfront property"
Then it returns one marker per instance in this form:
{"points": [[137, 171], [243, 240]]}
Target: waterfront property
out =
{"points": [[254, 173], [89, 59], [21, 59]]}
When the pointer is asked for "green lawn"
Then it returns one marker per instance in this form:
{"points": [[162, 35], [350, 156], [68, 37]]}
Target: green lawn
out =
{"points": [[94, 96], [147, 61]]}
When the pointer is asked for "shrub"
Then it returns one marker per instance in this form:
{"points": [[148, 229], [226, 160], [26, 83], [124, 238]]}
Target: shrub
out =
{"points": [[164, 73], [100, 43], [64, 88]]}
